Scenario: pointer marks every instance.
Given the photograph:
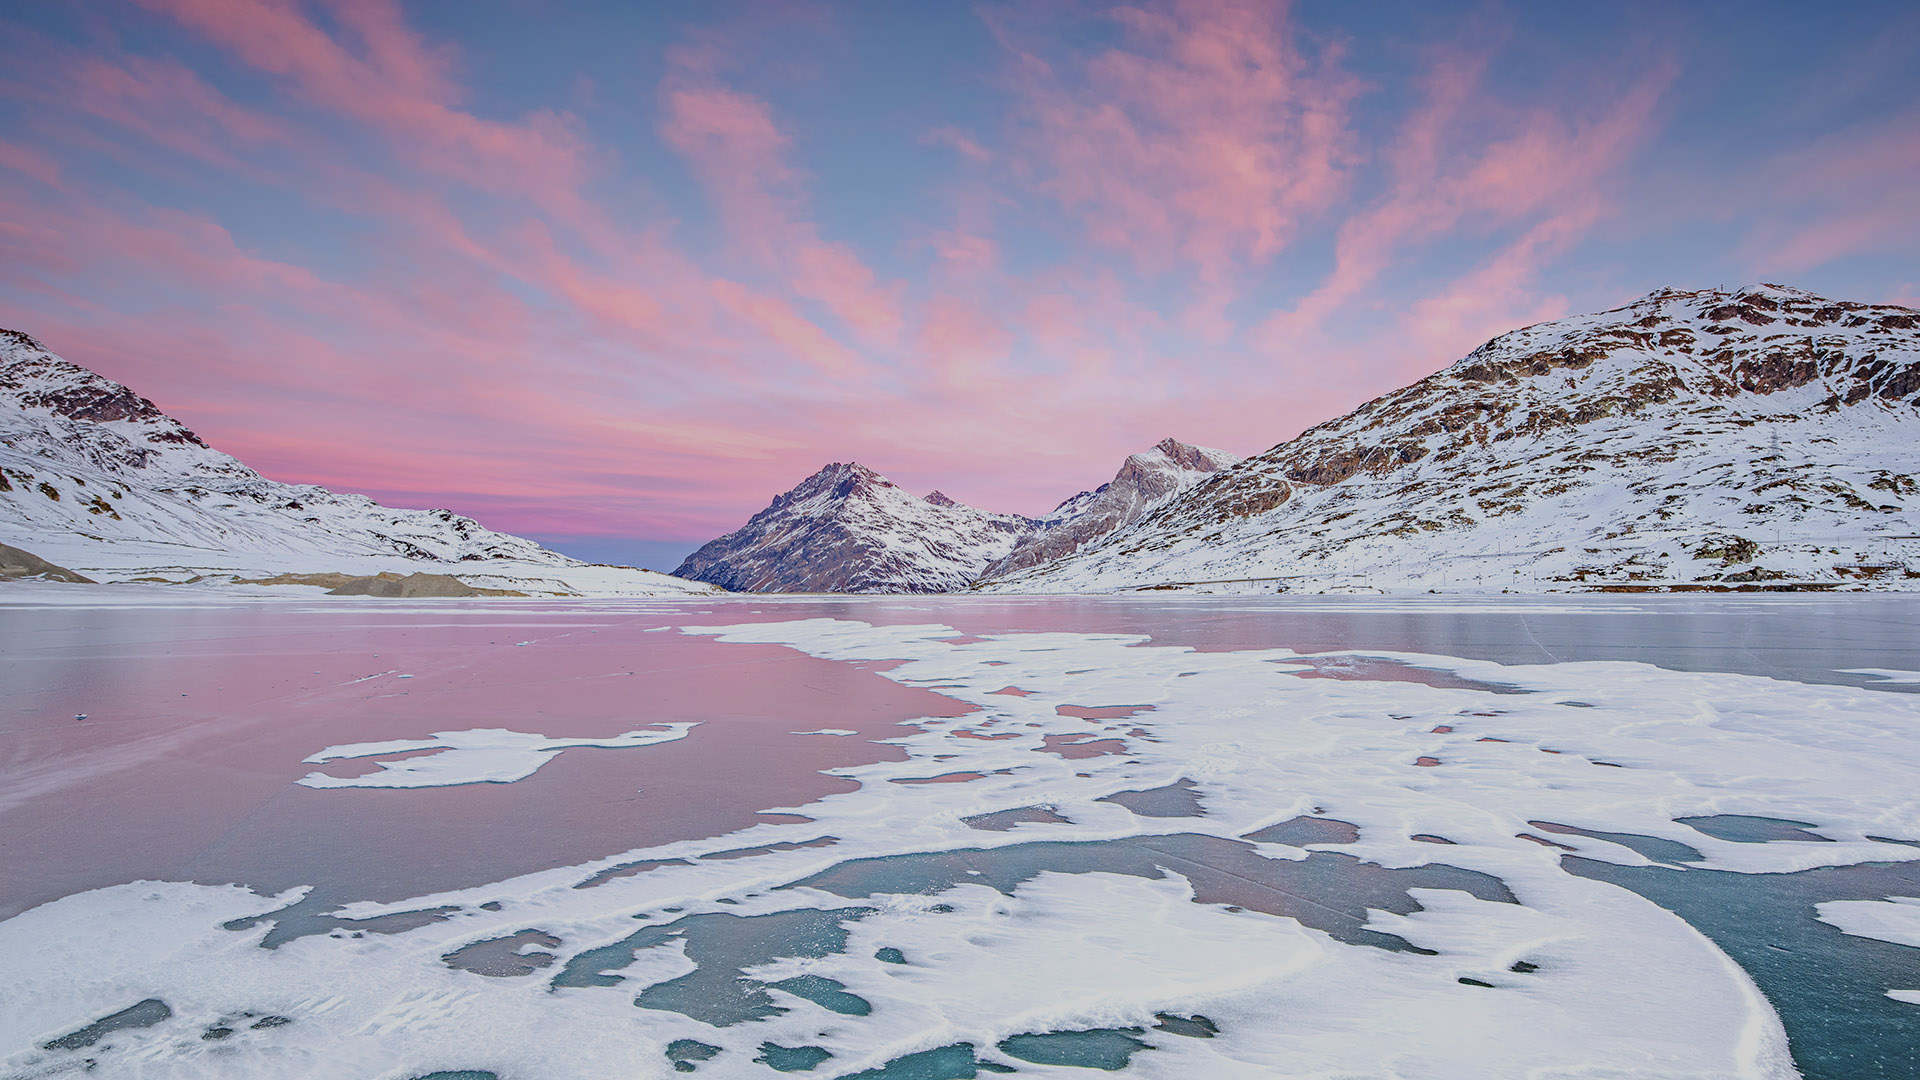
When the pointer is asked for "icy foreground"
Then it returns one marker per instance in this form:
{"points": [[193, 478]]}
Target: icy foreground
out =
{"points": [[95, 479], [1249, 863], [1755, 439]]}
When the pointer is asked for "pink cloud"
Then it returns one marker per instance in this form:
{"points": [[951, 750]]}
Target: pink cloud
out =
{"points": [[959, 142], [381, 74], [1499, 295], [1450, 172], [1204, 139], [965, 254], [1848, 193], [740, 153], [793, 332], [31, 163]]}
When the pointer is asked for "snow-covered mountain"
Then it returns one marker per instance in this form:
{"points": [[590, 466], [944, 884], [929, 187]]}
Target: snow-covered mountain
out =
{"points": [[94, 477], [1758, 438], [846, 528]]}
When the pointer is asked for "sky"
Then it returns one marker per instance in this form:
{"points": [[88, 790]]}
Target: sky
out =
{"points": [[613, 275]]}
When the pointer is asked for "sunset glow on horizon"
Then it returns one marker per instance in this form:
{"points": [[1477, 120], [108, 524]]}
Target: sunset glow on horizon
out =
{"points": [[613, 276]]}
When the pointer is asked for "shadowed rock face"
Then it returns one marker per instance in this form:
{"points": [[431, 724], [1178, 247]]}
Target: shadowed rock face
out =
{"points": [[1142, 485], [37, 379], [848, 529]]}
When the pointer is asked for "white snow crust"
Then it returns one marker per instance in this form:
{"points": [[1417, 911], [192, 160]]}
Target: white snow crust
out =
{"points": [[1895, 919], [475, 756]]}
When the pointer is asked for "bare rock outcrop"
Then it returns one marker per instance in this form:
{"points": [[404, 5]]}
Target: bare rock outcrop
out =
{"points": [[16, 564]]}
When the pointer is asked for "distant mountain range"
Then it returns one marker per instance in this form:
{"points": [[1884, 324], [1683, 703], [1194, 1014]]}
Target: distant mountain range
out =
{"points": [[94, 478], [846, 528], [1755, 439]]}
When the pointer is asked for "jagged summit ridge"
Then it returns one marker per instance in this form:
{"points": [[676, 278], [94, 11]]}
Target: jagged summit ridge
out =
{"points": [[40, 380], [1145, 481], [1605, 448]]}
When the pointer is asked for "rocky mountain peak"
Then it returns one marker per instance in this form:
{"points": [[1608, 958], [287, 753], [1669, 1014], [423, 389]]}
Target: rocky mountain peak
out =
{"points": [[19, 339], [1193, 458], [1146, 481], [35, 379], [939, 498], [833, 483]]}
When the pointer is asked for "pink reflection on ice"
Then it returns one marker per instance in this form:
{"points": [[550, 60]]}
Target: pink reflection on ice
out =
{"points": [[199, 719], [1080, 745]]}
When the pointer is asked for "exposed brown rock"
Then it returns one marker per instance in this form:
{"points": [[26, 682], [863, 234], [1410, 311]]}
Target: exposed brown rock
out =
{"points": [[409, 587], [16, 564]]}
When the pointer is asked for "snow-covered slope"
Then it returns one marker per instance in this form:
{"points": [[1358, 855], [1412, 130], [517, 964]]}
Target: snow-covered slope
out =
{"points": [[94, 477], [1145, 482], [1757, 438], [846, 528]]}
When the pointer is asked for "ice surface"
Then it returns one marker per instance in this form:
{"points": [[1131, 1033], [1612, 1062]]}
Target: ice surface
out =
{"points": [[138, 1015], [1303, 830], [1828, 987], [476, 756], [1753, 828], [1110, 1049], [1506, 964], [505, 957]]}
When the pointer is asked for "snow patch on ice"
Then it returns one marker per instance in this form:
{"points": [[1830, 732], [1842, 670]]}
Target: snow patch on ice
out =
{"points": [[1895, 919], [474, 756]]}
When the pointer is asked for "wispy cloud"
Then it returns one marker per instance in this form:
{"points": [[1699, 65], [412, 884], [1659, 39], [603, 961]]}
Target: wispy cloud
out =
{"points": [[1201, 138]]}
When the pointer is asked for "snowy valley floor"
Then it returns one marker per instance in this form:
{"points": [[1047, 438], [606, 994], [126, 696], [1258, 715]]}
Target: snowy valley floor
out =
{"points": [[930, 838]]}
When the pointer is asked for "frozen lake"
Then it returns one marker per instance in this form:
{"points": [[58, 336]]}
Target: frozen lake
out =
{"points": [[921, 838]]}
